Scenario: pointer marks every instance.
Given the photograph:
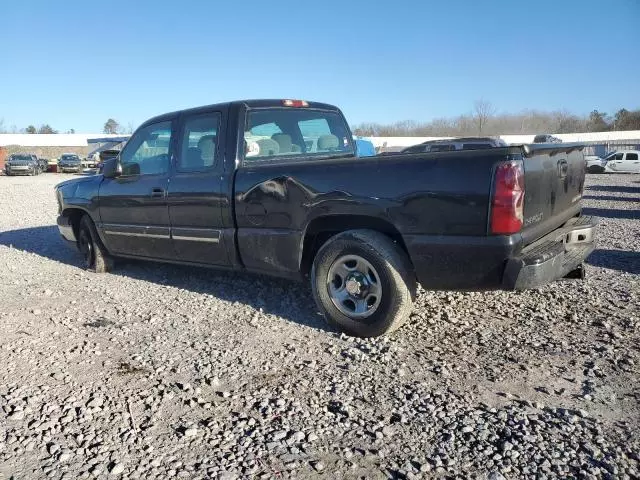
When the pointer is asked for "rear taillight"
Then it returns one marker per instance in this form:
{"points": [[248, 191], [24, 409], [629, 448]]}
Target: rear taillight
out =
{"points": [[507, 204]]}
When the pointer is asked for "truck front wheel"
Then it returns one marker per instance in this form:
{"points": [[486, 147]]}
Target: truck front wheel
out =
{"points": [[363, 283], [95, 257]]}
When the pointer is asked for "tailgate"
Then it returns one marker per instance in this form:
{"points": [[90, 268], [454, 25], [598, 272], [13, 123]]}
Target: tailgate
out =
{"points": [[554, 180]]}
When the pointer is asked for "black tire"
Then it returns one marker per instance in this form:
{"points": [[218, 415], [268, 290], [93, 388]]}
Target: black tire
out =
{"points": [[595, 169], [395, 276], [95, 256]]}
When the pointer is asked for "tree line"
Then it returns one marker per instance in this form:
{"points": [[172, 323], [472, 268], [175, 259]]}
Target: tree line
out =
{"points": [[484, 120], [110, 126], [45, 128]]}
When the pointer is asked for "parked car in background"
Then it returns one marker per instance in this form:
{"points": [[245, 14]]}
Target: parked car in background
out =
{"points": [[594, 163], [237, 186], [546, 138], [453, 144], [21, 164], [37, 160], [364, 148], [44, 164], [92, 160], [105, 155], [69, 162], [627, 161]]}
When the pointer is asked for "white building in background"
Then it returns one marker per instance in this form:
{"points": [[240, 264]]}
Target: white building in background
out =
{"points": [[598, 142]]}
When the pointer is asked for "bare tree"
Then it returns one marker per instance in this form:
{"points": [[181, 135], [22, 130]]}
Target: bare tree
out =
{"points": [[129, 128], [482, 112]]}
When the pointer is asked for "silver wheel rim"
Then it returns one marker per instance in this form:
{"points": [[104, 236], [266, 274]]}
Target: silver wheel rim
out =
{"points": [[354, 286]]}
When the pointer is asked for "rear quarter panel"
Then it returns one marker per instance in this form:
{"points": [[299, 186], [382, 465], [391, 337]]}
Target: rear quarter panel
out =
{"points": [[432, 194]]}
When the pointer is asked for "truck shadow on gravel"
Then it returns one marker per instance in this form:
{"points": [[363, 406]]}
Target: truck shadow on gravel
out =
{"points": [[43, 241], [621, 260], [611, 198], [289, 300], [619, 213], [614, 188]]}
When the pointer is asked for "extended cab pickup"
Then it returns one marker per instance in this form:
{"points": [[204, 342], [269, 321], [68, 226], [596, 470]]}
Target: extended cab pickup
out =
{"points": [[275, 187]]}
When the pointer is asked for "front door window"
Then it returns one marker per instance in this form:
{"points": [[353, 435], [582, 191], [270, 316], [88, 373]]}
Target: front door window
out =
{"points": [[147, 153]]}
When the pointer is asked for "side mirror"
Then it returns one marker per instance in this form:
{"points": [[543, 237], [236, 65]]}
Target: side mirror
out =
{"points": [[111, 168]]}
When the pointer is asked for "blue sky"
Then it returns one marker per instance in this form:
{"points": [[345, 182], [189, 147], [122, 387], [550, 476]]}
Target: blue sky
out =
{"points": [[73, 64]]}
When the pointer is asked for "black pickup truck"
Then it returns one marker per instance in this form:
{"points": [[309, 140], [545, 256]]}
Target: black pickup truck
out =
{"points": [[275, 187]]}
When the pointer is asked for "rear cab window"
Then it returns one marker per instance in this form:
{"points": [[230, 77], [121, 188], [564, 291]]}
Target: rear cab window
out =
{"points": [[295, 134]]}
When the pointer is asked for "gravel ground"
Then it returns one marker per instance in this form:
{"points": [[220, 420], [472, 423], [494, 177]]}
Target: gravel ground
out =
{"points": [[159, 371]]}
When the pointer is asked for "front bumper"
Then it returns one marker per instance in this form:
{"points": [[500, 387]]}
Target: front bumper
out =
{"points": [[18, 170], [70, 169], [551, 257], [66, 229]]}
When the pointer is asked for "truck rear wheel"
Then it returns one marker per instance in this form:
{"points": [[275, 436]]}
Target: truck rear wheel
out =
{"points": [[363, 283], [95, 257]]}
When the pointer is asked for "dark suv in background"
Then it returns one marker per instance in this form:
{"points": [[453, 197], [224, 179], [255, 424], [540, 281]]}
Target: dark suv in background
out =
{"points": [[546, 138], [22, 164], [453, 144], [69, 162]]}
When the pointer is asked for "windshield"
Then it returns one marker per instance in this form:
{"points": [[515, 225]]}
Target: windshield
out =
{"points": [[70, 158], [20, 157], [293, 132]]}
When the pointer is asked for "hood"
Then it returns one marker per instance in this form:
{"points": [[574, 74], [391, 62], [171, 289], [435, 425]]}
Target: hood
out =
{"points": [[68, 187], [76, 190]]}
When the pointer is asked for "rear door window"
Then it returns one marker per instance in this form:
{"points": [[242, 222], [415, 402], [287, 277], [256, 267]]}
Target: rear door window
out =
{"points": [[632, 156], [199, 142]]}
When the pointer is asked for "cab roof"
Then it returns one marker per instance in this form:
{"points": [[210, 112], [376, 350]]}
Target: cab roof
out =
{"points": [[256, 103]]}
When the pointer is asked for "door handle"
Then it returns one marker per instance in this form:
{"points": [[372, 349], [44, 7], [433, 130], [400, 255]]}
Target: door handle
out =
{"points": [[157, 192]]}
